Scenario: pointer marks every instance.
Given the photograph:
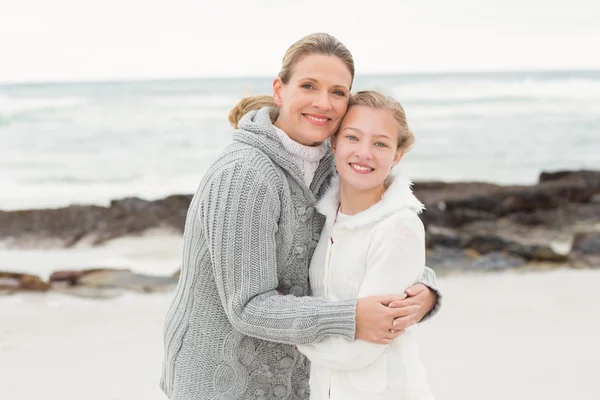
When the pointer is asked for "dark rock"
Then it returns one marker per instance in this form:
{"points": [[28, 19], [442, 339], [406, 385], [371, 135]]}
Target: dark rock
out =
{"points": [[487, 243], [443, 258], [455, 218], [533, 252], [457, 204], [69, 225], [435, 194], [442, 239], [585, 261], [528, 219], [128, 206], [72, 277], [9, 284], [590, 177], [537, 252], [26, 282], [586, 243], [497, 261]]}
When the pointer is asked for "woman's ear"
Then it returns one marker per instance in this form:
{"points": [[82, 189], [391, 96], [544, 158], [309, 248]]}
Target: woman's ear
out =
{"points": [[277, 89]]}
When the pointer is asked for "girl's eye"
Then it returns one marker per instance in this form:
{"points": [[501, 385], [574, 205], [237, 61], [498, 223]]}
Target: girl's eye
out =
{"points": [[340, 93], [381, 144], [307, 86], [351, 137]]}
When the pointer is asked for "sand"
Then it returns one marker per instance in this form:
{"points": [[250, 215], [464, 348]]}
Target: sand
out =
{"points": [[499, 336]]}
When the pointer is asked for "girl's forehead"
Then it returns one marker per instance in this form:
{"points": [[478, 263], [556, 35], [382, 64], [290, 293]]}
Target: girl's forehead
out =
{"points": [[368, 120]]}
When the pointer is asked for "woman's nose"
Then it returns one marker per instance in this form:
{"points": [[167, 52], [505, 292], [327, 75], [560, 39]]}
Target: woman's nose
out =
{"points": [[322, 102]]}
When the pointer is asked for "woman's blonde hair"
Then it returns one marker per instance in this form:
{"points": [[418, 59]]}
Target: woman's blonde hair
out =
{"points": [[316, 43], [373, 99]]}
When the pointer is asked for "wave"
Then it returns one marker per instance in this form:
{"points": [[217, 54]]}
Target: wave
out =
{"points": [[491, 90], [543, 109], [11, 107]]}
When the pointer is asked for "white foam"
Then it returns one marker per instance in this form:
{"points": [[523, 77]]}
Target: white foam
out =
{"points": [[490, 89], [10, 106]]}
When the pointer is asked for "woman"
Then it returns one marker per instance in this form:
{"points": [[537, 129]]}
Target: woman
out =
{"points": [[373, 243], [249, 235]]}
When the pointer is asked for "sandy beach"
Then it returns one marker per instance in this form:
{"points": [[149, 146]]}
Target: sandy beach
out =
{"points": [[529, 335]]}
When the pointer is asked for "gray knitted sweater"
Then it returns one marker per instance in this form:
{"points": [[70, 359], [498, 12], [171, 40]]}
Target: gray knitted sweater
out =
{"points": [[243, 296]]}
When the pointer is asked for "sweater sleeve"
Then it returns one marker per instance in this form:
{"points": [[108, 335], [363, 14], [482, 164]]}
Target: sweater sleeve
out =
{"points": [[395, 260], [428, 279], [240, 209]]}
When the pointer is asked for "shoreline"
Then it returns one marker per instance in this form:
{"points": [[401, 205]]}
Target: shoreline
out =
{"points": [[470, 226]]}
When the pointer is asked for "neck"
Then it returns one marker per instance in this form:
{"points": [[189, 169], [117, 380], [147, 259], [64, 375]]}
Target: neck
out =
{"points": [[353, 201], [288, 132]]}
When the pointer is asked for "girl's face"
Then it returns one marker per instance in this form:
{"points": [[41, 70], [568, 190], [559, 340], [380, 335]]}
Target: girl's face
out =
{"points": [[315, 99], [366, 147]]}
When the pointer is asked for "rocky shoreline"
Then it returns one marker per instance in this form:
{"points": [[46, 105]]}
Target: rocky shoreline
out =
{"points": [[471, 226]]}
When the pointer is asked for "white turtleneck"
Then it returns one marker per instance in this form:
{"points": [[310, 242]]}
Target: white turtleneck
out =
{"points": [[305, 157]]}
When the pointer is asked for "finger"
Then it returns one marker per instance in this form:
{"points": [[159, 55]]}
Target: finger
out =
{"points": [[398, 333], [393, 334], [387, 299], [415, 289], [403, 303], [404, 311], [385, 340], [405, 322]]}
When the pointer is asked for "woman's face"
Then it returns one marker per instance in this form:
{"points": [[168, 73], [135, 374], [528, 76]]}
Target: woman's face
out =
{"points": [[366, 147], [314, 100]]}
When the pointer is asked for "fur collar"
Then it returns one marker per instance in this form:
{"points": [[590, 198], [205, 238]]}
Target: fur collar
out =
{"points": [[397, 197]]}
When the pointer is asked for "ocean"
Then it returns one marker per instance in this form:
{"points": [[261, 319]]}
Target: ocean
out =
{"points": [[88, 143]]}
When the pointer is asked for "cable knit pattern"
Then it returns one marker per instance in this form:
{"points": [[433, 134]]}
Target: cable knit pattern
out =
{"points": [[305, 157], [243, 298], [250, 232]]}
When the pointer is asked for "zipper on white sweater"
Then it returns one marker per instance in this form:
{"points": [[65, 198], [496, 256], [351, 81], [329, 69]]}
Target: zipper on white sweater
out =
{"points": [[328, 267], [326, 276], [326, 279]]}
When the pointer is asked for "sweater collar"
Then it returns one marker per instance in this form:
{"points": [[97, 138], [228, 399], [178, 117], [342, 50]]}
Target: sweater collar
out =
{"points": [[306, 153], [256, 129], [397, 197]]}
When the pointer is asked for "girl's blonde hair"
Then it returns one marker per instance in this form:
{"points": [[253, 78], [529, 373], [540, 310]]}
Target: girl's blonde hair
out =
{"points": [[373, 99], [316, 43]]}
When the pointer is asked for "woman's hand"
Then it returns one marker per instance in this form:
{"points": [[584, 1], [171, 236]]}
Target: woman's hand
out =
{"points": [[375, 320], [420, 295]]}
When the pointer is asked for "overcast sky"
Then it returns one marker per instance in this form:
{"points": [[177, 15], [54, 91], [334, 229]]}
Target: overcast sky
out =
{"points": [[58, 40]]}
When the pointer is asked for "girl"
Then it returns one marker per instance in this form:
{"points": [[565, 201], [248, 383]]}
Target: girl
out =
{"points": [[249, 235], [373, 243]]}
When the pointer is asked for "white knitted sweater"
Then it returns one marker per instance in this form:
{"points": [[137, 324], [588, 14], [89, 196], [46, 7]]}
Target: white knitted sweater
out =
{"points": [[378, 251]]}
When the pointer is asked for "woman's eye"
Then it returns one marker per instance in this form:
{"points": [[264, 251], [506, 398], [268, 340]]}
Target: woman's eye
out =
{"points": [[381, 144], [340, 93], [351, 137], [307, 86]]}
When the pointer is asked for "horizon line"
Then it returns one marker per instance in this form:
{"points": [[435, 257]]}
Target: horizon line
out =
{"points": [[259, 76]]}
